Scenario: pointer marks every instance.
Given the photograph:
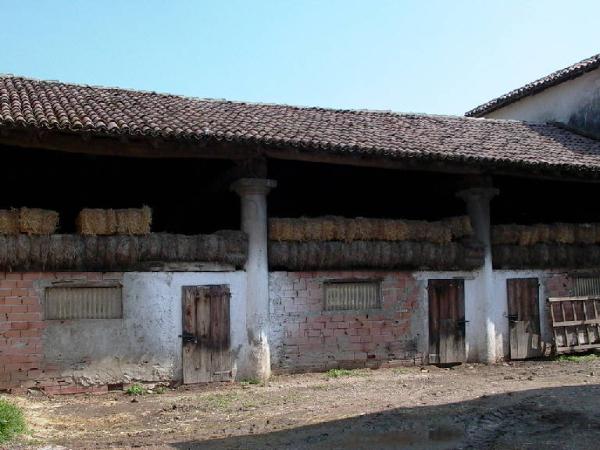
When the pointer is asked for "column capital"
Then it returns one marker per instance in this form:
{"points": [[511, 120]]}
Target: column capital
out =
{"points": [[478, 193], [248, 186]]}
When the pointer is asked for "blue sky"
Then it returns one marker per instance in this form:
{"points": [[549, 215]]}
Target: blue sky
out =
{"points": [[416, 56]]}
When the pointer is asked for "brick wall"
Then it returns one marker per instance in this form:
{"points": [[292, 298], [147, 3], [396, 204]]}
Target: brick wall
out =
{"points": [[22, 363], [305, 337], [558, 285]]}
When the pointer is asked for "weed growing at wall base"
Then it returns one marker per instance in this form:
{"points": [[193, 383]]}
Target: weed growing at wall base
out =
{"points": [[135, 389], [337, 373], [12, 422], [579, 358]]}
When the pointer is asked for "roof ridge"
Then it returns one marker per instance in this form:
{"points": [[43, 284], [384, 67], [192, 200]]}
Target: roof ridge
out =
{"points": [[249, 103], [552, 79]]}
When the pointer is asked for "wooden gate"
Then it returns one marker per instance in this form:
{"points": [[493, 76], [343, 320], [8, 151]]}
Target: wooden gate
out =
{"points": [[524, 318], [206, 343], [446, 321], [575, 323]]}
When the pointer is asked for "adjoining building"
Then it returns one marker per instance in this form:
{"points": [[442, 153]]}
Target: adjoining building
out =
{"points": [[282, 239], [569, 96]]}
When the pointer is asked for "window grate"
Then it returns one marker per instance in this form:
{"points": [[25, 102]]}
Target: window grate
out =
{"points": [[343, 295], [67, 303], [584, 286]]}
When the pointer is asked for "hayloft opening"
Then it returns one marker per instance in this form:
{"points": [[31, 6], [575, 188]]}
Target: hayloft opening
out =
{"points": [[184, 194], [312, 190]]}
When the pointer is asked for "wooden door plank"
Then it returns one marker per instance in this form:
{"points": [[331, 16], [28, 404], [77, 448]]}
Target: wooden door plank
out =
{"points": [[203, 350], [434, 322], [446, 313], [220, 334], [524, 323], [189, 328], [206, 316]]}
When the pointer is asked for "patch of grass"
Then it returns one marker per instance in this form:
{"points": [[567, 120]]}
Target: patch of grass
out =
{"points": [[337, 373], [400, 370], [248, 381], [578, 358], [160, 390], [220, 401], [12, 422], [135, 389], [319, 387]]}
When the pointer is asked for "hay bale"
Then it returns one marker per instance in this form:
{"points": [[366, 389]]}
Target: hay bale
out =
{"points": [[459, 226], [9, 221], [396, 230], [505, 234], [275, 229], [37, 221], [286, 229], [106, 222], [360, 229], [438, 233], [542, 232], [329, 230], [585, 233], [96, 222], [312, 230], [527, 235], [134, 221], [332, 228], [563, 233], [336, 255]]}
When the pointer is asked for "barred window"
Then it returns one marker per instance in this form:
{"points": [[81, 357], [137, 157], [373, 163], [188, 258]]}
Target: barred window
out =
{"points": [[83, 302], [586, 286], [352, 295]]}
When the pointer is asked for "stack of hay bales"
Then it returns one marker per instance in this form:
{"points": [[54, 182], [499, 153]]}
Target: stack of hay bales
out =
{"points": [[106, 222], [333, 255], [31, 221], [557, 233], [333, 228]]}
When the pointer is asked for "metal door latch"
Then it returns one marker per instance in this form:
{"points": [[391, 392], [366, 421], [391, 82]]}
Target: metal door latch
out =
{"points": [[189, 337]]}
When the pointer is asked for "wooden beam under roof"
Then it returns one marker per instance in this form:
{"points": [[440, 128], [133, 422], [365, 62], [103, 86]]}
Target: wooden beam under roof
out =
{"points": [[142, 147]]}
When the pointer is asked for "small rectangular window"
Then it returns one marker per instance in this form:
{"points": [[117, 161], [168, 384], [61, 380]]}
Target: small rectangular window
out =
{"points": [[586, 286], [83, 302], [352, 295]]}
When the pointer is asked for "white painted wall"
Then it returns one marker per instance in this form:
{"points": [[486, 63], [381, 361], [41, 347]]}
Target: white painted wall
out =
{"points": [[557, 103], [145, 344], [497, 310]]}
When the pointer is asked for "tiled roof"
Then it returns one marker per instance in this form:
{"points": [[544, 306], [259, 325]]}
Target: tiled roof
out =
{"points": [[536, 86], [42, 105]]}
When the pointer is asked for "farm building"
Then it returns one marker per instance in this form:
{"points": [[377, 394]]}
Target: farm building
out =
{"points": [[569, 96], [156, 238]]}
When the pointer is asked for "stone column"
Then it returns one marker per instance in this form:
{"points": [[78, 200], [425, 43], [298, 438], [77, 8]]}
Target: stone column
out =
{"points": [[255, 361], [484, 330]]}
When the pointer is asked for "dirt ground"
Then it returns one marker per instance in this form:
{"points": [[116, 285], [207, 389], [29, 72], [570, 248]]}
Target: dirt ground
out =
{"points": [[527, 405]]}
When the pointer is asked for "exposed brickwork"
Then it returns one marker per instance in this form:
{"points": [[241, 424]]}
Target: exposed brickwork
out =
{"points": [[22, 363], [305, 337], [558, 285]]}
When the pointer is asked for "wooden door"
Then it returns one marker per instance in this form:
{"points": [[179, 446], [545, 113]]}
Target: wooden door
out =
{"points": [[446, 321], [524, 318], [206, 343]]}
